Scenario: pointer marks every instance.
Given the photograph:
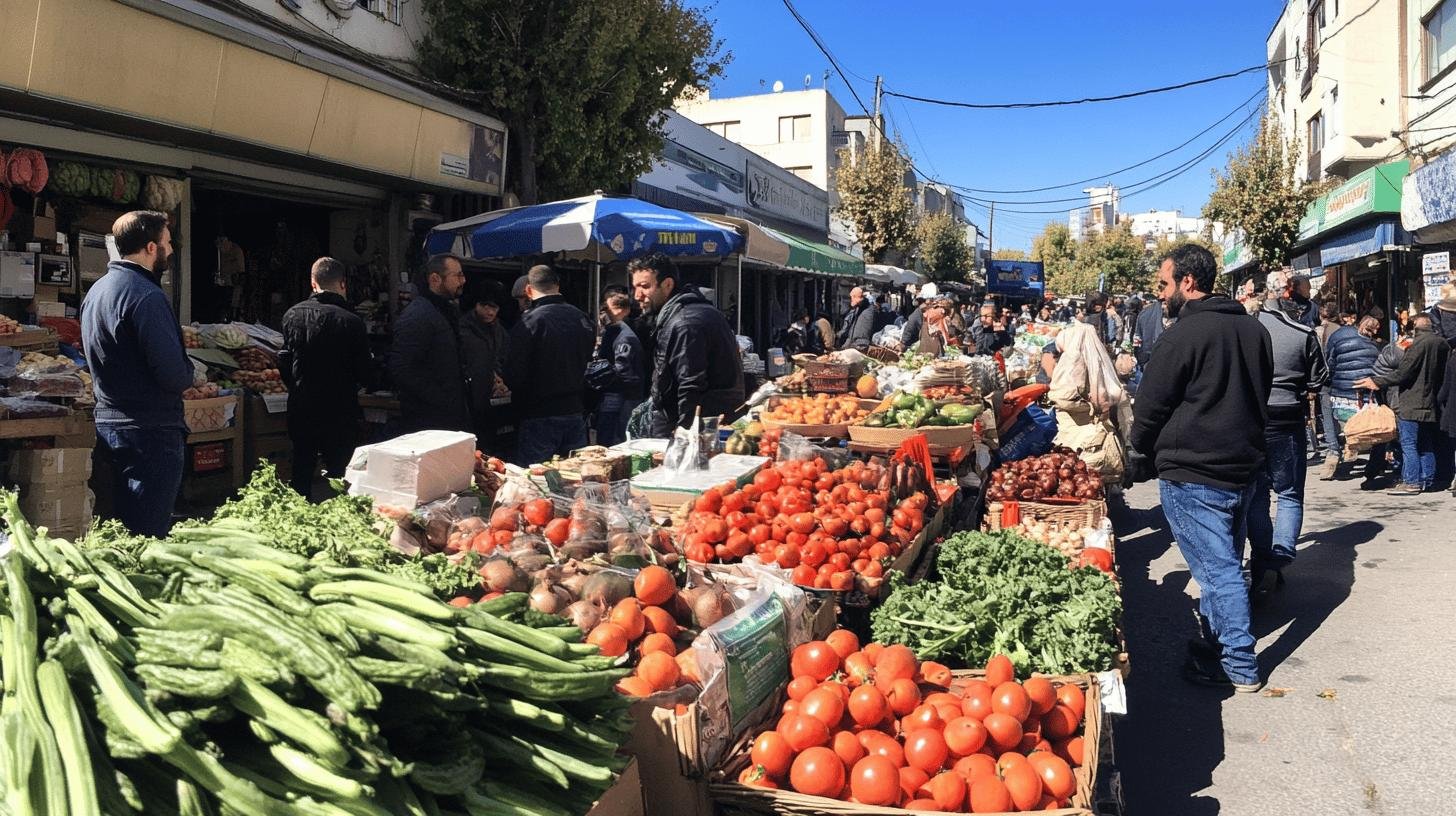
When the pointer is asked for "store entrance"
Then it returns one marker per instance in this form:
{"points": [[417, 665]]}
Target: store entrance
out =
{"points": [[251, 255]]}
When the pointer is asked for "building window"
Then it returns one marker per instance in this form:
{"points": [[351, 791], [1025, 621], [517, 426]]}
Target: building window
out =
{"points": [[793, 128], [1438, 41], [805, 173], [1316, 134], [391, 10], [728, 130]]}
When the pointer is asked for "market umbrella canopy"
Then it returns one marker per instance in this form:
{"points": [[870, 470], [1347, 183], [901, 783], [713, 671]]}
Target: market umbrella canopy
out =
{"points": [[600, 227]]}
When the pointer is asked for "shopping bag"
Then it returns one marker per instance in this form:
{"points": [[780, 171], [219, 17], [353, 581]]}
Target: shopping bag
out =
{"points": [[1370, 426]]}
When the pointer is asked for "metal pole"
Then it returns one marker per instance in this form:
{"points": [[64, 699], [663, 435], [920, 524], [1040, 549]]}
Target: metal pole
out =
{"points": [[879, 125], [738, 301], [991, 232]]}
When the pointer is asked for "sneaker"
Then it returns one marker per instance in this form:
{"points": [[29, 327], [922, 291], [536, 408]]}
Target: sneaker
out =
{"points": [[1214, 677], [1327, 473], [1405, 490]]}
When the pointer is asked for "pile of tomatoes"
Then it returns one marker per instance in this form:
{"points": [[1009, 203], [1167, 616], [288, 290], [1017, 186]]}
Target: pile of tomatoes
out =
{"points": [[832, 529], [877, 727]]}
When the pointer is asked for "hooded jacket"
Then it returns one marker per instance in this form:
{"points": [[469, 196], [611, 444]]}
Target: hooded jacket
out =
{"points": [[1203, 402], [620, 345], [324, 362], [546, 367], [427, 366], [1351, 357], [1299, 368], [1419, 377], [696, 363]]}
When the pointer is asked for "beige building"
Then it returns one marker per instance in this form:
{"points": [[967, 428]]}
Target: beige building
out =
{"points": [[1335, 82], [799, 131]]}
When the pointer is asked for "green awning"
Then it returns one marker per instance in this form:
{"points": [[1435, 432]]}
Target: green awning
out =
{"points": [[1376, 190], [779, 249]]}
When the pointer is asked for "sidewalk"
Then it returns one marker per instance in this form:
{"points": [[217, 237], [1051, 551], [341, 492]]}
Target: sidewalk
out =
{"points": [[1360, 641]]}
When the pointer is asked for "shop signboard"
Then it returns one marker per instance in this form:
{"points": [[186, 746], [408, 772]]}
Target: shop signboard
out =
{"points": [[1016, 278], [1377, 190], [1435, 273], [694, 164], [771, 190]]}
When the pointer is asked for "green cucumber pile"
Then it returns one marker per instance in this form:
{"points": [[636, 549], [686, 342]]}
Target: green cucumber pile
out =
{"points": [[218, 674]]}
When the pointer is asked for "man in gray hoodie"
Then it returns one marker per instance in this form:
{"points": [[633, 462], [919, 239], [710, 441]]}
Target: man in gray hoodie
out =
{"points": [[1299, 373]]}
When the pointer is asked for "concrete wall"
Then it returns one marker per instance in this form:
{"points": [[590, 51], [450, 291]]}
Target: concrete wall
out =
{"points": [[758, 130], [356, 27], [1427, 115]]}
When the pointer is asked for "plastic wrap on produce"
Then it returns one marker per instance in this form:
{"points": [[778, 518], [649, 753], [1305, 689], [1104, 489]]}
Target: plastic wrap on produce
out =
{"points": [[796, 448]]}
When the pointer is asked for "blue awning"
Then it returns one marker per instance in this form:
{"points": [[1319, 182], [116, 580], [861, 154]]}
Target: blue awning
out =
{"points": [[1357, 243]]}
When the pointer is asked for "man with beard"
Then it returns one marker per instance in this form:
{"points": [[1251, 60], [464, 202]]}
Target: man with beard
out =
{"points": [[139, 370], [1200, 416], [426, 359], [696, 360]]}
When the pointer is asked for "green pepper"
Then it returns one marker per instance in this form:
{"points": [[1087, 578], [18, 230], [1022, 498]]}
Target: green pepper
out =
{"points": [[876, 420], [904, 401]]}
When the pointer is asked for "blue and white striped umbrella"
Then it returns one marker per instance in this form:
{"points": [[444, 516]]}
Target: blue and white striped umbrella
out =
{"points": [[600, 227]]}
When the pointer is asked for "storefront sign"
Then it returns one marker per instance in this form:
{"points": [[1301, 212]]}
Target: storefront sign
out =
{"points": [[1435, 273], [1377, 190], [772, 193], [1345, 202]]}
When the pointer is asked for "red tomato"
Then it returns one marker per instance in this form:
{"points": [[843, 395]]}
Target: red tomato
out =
{"points": [[817, 772], [802, 732], [800, 687], [925, 749], [965, 736], [896, 662], [976, 699], [1010, 698], [803, 575], [975, 766], [848, 748], [504, 518], [759, 533], [1069, 750], [1004, 731], [867, 705], [924, 716], [875, 781], [787, 556], [1059, 723], [812, 554], [538, 511], [816, 659], [1042, 693], [843, 642], [824, 705], [1023, 784], [767, 479], [989, 795], [881, 744], [772, 752], [999, 670], [912, 780], [903, 695], [1056, 775], [1072, 697], [948, 790], [709, 502], [803, 523]]}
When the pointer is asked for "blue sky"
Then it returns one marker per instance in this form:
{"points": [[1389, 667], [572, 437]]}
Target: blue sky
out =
{"points": [[982, 51]]}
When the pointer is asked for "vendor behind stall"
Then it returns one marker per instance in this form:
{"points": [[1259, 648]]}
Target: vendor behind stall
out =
{"points": [[324, 362], [426, 362], [486, 344]]}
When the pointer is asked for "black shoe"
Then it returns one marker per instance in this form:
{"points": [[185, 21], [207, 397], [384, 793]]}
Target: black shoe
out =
{"points": [[1203, 651], [1264, 584], [1213, 676]]}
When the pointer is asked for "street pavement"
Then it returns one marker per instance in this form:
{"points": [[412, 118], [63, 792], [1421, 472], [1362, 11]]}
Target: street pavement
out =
{"points": [[1359, 714]]}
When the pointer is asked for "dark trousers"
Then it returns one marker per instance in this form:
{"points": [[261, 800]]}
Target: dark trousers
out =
{"points": [[540, 438], [333, 445], [147, 474]]}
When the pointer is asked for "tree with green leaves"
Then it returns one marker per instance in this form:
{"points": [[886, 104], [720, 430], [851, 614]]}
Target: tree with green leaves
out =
{"points": [[944, 251], [1258, 193], [1010, 255], [1057, 252], [875, 201], [582, 85], [1116, 257], [1166, 245]]}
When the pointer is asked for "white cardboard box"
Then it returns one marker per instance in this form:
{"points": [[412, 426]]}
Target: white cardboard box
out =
{"points": [[413, 469], [51, 466]]}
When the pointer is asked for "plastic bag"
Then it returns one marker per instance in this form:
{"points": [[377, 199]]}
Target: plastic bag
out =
{"points": [[889, 337], [1030, 435], [796, 448], [27, 408]]}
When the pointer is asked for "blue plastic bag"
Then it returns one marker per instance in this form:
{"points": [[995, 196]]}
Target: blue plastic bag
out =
{"points": [[1030, 435]]}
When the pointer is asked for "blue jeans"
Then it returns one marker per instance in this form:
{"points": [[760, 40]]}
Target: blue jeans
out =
{"points": [[1271, 543], [612, 417], [147, 473], [540, 438], [1209, 524], [1331, 427], [1418, 452]]}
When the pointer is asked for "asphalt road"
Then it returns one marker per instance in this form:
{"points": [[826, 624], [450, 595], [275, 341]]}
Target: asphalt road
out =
{"points": [[1359, 714]]}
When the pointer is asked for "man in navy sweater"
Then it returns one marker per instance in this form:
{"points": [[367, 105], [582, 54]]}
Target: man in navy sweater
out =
{"points": [[139, 369]]}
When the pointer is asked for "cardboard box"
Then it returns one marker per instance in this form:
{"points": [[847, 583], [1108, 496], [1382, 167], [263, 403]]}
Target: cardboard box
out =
{"points": [[413, 469], [68, 466], [17, 274], [43, 223], [624, 797], [65, 509]]}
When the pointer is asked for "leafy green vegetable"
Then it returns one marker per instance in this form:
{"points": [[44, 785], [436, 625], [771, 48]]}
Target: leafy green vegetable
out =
{"points": [[999, 593]]}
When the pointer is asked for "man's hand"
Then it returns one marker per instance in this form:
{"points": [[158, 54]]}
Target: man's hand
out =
{"points": [[1367, 384]]}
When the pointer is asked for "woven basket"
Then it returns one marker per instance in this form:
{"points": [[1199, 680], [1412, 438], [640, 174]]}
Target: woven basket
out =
{"points": [[938, 435], [1085, 514], [734, 797], [830, 383], [812, 367], [885, 355]]}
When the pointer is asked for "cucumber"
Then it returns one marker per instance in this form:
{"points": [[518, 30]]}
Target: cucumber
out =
{"points": [[194, 684]]}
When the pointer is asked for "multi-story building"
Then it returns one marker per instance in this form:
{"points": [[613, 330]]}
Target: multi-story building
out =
{"points": [[1100, 213], [1170, 225], [272, 132]]}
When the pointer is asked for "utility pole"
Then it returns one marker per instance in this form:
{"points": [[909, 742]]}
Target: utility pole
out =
{"points": [[879, 125], [991, 232]]}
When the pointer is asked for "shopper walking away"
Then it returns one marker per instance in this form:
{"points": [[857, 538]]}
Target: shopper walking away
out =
{"points": [[697, 365], [989, 335], [1419, 377], [1299, 375], [139, 370], [546, 371], [1329, 428], [1446, 401], [821, 325], [1149, 327], [324, 363], [1200, 415], [910, 332], [859, 322], [426, 362], [1350, 353], [624, 387], [486, 343]]}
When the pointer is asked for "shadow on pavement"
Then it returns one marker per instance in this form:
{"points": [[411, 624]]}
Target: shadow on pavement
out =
{"points": [[1319, 580], [1173, 732]]}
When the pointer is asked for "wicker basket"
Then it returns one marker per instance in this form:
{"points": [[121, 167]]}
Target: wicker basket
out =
{"points": [[812, 367], [838, 430], [948, 436], [885, 355], [1083, 514], [830, 383], [734, 797]]}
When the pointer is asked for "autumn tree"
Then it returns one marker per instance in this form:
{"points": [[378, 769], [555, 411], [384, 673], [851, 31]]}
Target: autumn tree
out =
{"points": [[1258, 193], [875, 201], [1057, 252], [1115, 257], [582, 85], [944, 251], [1009, 255]]}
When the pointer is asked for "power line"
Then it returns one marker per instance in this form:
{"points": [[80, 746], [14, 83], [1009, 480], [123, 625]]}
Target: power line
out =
{"points": [[1086, 100], [1108, 175]]}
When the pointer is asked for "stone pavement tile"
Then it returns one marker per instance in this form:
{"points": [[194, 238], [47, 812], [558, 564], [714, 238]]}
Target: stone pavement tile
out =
{"points": [[1365, 615]]}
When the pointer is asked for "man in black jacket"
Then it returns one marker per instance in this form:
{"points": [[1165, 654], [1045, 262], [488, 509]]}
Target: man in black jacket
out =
{"points": [[324, 363], [546, 370], [989, 335], [426, 363], [858, 327], [1422, 368], [1200, 415], [696, 360]]}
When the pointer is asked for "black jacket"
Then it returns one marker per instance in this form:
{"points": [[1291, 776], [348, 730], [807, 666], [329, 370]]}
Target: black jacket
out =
{"points": [[697, 363], [858, 326], [486, 346], [1443, 323], [1446, 399], [1419, 376], [324, 362], [621, 346], [989, 341], [910, 332], [1202, 405], [1148, 328], [427, 366], [546, 367]]}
